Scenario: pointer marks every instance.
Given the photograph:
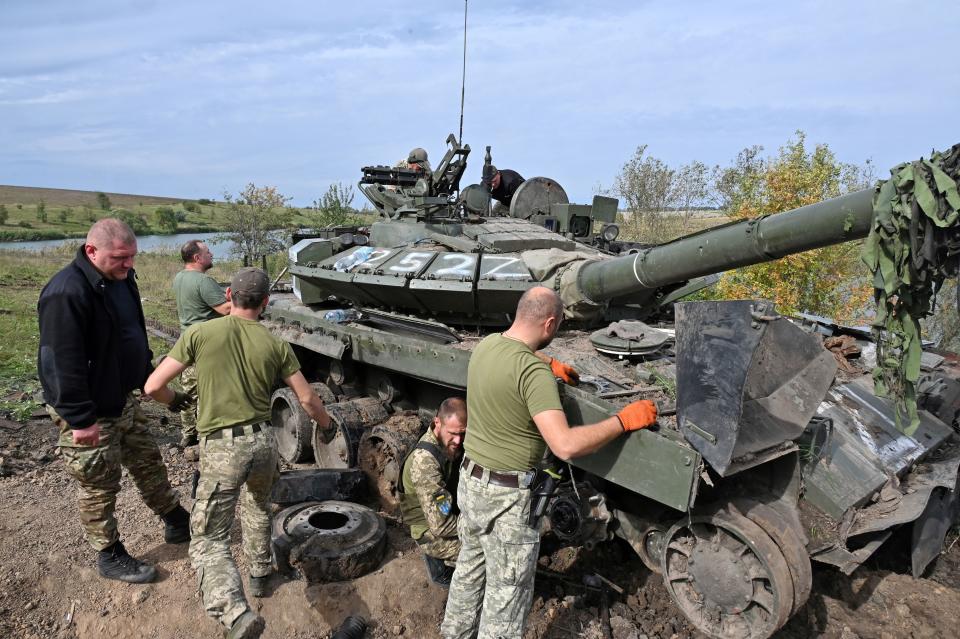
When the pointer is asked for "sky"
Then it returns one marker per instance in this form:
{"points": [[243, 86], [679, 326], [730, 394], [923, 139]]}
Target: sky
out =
{"points": [[194, 99]]}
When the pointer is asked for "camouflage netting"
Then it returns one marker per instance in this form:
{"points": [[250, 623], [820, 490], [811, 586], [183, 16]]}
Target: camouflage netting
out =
{"points": [[912, 247]]}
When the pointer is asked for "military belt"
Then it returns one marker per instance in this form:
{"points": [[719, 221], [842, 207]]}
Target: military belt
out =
{"points": [[236, 431], [507, 480]]}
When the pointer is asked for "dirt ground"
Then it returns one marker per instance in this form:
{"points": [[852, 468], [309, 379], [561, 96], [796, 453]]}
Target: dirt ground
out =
{"points": [[49, 586]]}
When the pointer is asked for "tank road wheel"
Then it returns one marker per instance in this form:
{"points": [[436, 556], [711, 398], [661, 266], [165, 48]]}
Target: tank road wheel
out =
{"points": [[791, 544], [328, 540], [337, 446], [387, 388], [727, 576], [294, 428], [650, 548]]}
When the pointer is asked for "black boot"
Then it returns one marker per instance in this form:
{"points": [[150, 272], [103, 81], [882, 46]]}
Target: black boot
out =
{"points": [[176, 526], [114, 563], [438, 571]]}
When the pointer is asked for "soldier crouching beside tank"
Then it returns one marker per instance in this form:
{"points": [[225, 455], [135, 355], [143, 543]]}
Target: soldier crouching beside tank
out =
{"points": [[428, 489], [238, 362]]}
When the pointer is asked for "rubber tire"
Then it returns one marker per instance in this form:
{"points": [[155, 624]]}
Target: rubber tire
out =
{"points": [[790, 542], [329, 540], [294, 428], [316, 484]]}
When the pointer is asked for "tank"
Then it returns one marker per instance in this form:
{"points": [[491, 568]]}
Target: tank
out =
{"points": [[772, 449]]}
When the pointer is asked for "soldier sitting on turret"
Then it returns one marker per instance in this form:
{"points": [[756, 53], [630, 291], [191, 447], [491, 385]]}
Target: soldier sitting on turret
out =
{"points": [[416, 160]]}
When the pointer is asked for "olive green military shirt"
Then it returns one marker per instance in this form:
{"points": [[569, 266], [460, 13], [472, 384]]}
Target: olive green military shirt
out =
{"points": [[506, 386], [196, 293], [239, 364]]}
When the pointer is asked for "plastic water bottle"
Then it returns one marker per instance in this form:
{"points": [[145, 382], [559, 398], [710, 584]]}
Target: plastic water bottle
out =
{"points": [[341, 315], [359, 256]]}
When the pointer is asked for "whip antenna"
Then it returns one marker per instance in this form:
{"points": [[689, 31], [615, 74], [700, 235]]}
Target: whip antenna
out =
{"points": [[463, 81]]}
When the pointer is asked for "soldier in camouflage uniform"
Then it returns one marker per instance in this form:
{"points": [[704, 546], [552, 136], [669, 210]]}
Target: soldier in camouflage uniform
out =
{"points": [[93, 354], [428, 489], [239, 363], [515, 412]]}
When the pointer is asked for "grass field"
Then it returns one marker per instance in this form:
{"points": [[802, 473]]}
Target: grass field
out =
{"points": [[51, 214], [41, 214]]}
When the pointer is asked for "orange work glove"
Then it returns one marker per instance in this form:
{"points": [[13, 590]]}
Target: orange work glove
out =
{"points": [[637, 415], [564, 372]]}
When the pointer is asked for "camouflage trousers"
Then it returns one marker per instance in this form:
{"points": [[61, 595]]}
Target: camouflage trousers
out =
{"points": [[124, 442], [227, 464], [188, 416], [492, 586], [446, 548]]}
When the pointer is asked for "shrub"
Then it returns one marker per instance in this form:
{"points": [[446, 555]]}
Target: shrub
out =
{"points": [[19, 207], [166, 219], [136, 222], [193, 207], [103, 201], [4, 214], [25, 224], [205, 202], [63, 215], [42, 211]]}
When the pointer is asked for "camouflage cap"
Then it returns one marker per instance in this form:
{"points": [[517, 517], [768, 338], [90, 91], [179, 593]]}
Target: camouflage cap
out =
{"points": [[250, 280], [417, 156]]}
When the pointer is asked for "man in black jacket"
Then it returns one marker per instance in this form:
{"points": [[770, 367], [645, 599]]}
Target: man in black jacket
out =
{"points": [[504, 184], [93, 354]]}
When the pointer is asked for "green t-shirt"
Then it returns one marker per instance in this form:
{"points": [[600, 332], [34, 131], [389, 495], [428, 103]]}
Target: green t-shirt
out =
{"points": [[197, 293], [506, 386], [239, 363]]}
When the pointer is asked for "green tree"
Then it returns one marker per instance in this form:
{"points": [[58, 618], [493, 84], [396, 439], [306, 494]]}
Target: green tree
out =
{"points": [[646, 186], [4, 214], [88, 213], [166, 219], [252, 219], [64, 214], [134, 221], [828, 281], [42, 211], [103, 201], [335, 207]]}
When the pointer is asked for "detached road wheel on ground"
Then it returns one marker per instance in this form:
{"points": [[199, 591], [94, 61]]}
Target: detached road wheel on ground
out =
{"points": [[329, 540]]}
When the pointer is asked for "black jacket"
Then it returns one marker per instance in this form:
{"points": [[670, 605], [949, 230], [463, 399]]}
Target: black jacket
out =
{"points": [[510, 181], [79, 355]]}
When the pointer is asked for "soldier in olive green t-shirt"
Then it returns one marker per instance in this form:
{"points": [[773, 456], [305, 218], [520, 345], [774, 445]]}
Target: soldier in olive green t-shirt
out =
{"points": [[515, 413], [199, 298], [239, 363]]}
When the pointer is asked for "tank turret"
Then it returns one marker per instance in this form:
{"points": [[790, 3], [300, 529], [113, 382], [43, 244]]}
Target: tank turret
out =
{"points": [[443, 252]]}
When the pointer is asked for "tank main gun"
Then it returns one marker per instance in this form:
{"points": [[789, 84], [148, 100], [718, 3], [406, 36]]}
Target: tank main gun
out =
{"points": [[730, 246]]}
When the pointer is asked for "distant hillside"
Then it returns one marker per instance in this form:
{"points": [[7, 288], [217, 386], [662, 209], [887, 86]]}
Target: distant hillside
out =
{"points": [[69, 197]]}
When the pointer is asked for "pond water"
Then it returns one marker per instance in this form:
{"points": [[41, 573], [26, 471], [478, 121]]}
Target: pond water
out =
{"points": [[145, 244]]}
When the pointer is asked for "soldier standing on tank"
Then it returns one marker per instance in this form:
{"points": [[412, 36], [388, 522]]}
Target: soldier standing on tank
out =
{"points": [[239, 363], [428, 488], [93, 354], [199, 298], [515, 413], [504, 184]]}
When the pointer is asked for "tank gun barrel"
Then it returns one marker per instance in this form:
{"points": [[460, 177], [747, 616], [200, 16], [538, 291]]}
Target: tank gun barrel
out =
{"points": [[731, 246]]}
